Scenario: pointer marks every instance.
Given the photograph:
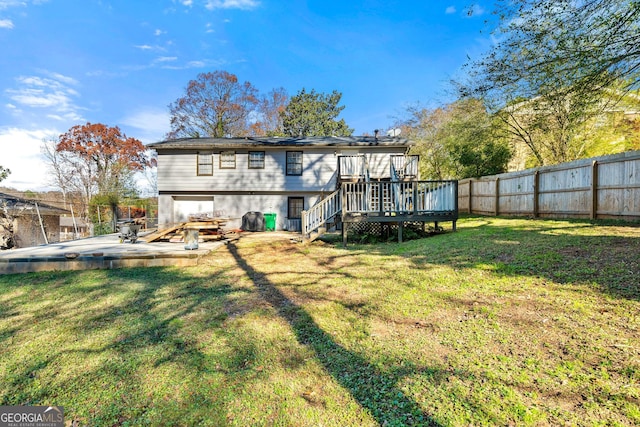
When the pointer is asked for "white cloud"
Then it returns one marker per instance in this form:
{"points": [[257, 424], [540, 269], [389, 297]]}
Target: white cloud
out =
{"points": [[6, 4], [476, 10], [193, 64], [450, 10], [166, 59], [159, 32], [196, 64], [28, 166], [149, 48], [52, 93], [149, 124], [6, 23], [232, 4], [65, 79]]}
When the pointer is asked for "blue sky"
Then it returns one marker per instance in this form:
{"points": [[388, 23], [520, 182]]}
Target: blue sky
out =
{"points": [[122, 62]]}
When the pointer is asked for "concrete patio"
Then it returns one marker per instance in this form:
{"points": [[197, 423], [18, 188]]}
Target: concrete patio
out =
{"points": [[101, 252]]}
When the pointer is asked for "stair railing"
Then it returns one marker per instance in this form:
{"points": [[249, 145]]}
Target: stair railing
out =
{"points": [[321, 212]]}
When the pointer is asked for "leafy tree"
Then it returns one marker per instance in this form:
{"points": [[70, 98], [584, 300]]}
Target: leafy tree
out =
{"points": [[96, 159], [557, 66], [473, 144], [314, 114], [458, 140], [424, 126], [270, 109], [215, 105], [4, 173]]}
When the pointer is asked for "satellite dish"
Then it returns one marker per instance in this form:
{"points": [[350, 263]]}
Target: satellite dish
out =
{"points": [[394, 132]]}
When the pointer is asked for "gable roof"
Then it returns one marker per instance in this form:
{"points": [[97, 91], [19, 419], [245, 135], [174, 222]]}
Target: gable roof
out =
{"points": [[18, 205], [252, 142]]}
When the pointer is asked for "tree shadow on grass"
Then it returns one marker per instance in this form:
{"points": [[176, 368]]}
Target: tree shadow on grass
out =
{"points": [[552, 250], [374, 389], [151, 324]]}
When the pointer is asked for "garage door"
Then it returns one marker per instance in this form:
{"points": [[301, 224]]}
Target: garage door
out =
{"points": [[185, 206]]}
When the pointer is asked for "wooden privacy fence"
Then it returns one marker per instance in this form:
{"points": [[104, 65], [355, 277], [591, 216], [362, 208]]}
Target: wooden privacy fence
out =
{"points": [[600, 188]]}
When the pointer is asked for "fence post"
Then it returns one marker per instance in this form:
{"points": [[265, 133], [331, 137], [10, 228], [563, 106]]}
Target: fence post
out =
{"points": [[470, 195], [497, 198], [594, 189], [536, 183], [455, 205]]}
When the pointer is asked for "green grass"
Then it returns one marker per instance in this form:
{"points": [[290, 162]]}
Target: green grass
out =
{"points": [[504, 322]]}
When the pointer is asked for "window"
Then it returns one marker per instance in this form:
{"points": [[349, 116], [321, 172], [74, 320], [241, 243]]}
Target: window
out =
{"points": [[228, 160], [295, 207], [294, 162], [256, 159], [205, 164]]}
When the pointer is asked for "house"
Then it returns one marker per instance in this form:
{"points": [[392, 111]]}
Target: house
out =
{"points": [[25, 223], [297, 180]]}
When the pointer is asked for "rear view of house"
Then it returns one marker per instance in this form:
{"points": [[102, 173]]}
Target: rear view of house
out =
{"points": [[233, 176], [297, 180]]}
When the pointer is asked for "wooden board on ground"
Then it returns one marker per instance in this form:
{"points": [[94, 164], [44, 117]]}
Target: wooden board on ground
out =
{"points": [[160, 233], [209, 229]]}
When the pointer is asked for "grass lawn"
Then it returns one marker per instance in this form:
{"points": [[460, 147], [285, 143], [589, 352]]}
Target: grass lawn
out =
{"points": [[504, 322]]}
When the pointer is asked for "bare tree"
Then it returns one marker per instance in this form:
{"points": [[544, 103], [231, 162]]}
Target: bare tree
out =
{"points": [[215, 105]]}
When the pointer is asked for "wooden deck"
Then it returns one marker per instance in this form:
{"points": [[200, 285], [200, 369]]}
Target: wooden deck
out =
{"points": [[385, 202]]}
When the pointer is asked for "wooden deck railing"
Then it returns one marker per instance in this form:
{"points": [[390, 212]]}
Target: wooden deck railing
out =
{"points": [[404, 167], [352, 167], [385, 199], [388, 198]]}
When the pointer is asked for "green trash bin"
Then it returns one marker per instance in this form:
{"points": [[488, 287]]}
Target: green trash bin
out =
{"points": [[270, 221]]}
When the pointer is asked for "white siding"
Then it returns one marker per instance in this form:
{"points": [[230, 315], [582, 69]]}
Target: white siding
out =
{"points": [[177, 171], [241, 190], [176, 209]]}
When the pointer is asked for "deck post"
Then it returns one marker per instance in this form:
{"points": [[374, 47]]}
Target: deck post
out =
{"points": [[380, 198], [400, 227], [304, 224], [345, 224], [414, 197]]}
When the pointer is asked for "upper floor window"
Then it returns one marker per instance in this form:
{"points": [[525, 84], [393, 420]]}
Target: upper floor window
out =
{"points": [[228, 160], [294, 162], [256, 159], [205, 163]]}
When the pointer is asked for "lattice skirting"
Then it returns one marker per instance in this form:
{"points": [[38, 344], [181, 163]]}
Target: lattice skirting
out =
{"points": [[378, 228]]}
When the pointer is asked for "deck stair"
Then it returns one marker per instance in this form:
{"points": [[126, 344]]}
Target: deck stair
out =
{"points": [[323, 213]]}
